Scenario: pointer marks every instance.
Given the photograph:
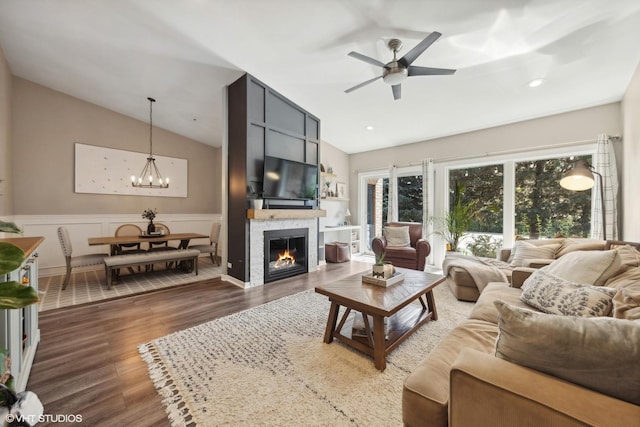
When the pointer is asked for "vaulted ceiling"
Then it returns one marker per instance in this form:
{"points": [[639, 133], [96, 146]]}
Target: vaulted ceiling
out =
{"points": [[116, 53]]}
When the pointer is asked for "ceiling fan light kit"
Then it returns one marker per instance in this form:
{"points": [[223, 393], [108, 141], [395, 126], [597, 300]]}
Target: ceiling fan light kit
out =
{"points": [[396, 71]]}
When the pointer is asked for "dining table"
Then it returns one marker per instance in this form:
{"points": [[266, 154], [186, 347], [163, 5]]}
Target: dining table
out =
{"points": [[115, 241]]}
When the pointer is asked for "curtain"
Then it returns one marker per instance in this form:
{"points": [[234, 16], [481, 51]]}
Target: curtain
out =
{"points": [[604, 163], [427, 200], [392, 205]]}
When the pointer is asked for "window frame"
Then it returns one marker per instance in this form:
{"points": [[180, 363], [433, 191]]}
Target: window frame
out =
{"points": [[508, 161]]}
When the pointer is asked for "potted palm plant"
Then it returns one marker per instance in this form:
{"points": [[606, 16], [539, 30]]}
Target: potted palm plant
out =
{"points": [[455, 224]]}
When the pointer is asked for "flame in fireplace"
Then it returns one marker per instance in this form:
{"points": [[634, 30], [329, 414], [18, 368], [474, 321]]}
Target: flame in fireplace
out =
{"points": [[285, 259]]}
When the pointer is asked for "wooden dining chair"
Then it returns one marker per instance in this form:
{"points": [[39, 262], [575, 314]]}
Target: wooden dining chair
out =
{"points": [[129, 248], [161, 246], [212, 247], [75, 261], [129, 230]]}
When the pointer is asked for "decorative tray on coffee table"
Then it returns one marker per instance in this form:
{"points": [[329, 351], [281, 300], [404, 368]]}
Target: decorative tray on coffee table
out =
{"points": [[394, 279]]}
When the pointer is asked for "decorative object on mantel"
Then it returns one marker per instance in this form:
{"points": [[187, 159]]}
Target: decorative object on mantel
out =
{"points": [[150, 214], [256, 201], [150, 167]]}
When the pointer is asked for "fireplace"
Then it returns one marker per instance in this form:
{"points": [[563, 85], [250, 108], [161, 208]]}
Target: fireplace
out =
{"points": [[285, 253]]}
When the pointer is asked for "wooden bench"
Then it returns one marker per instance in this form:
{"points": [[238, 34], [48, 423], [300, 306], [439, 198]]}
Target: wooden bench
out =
{"points": [[116, 262]]}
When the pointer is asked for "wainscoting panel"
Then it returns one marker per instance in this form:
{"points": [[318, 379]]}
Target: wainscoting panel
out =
{"points": [[81, 227]]}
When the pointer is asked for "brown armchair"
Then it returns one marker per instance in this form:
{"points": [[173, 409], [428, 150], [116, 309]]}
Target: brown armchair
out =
{"points": [[413, 256]]}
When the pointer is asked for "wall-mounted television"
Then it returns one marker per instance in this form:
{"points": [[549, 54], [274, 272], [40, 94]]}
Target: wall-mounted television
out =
{"points": [[288, 180]]}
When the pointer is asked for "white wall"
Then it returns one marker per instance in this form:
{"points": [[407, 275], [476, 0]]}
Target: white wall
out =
{"points": [[631, 159], [546, 132]]}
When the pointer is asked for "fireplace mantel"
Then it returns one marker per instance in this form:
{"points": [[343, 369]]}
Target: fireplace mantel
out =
{"points": [[285, 213]]}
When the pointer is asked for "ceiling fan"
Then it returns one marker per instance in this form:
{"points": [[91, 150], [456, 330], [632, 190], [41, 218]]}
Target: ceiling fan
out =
{"points": [[396, 71]]}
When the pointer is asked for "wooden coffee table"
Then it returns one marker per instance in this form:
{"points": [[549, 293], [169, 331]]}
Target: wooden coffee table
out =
{"points": [[378, 302]]}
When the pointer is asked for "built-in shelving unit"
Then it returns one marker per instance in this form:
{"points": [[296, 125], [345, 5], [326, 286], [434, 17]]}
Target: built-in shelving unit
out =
{"points": [[19, 332], [349, 234]]}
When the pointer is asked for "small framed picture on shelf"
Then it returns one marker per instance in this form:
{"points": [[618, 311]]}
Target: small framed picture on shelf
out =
{"points": [[341, 189]]}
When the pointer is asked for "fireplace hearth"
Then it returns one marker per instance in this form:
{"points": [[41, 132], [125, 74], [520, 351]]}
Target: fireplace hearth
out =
{"points": [[285, 253]]}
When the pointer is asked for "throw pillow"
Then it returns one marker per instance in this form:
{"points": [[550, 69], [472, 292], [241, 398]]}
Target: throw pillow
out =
{"points": [[598, 353], [588, 267], [552, 294], [397, 236], [571, 244], [629, 257], [524, 250]]}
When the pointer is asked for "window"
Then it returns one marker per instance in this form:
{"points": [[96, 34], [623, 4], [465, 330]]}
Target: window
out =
{"points": [[482, 186], [410, 198], [543, 209]]}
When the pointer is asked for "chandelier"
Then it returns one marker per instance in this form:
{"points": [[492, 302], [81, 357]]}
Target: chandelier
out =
{"points": [[150, 176]]}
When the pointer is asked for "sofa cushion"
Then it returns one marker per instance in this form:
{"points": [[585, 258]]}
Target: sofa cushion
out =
{"points": [[587, 267], [535, 242], [426, 389], [525, 250], [571, 244], [626, 302], [629, 257], [485, 310], [598, 353], [401, 252], [397, 236], [552, 294]]}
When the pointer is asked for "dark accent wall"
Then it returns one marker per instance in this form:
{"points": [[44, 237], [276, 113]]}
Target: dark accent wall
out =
{"points": [[261, 122]]}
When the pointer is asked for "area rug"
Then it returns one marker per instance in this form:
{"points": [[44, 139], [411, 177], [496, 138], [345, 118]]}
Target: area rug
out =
{"points": [[269, 366], [89, 286]]}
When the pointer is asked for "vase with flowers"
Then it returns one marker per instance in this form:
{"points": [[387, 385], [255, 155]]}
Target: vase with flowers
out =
{"points": [[150, 214]]}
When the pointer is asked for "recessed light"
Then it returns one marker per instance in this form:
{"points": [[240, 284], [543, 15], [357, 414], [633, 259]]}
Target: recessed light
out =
{"points": [[536, 82], [369, 127]]}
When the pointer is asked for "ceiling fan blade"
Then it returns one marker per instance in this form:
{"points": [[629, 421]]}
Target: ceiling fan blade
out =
{"points": [[362, 84], [413, 54], [397, 91], [366, 59], [428, 71]]}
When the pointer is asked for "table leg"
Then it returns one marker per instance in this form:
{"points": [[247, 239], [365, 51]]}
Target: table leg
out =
{"points": [[431, 301], [379, 359], [331, 322]]}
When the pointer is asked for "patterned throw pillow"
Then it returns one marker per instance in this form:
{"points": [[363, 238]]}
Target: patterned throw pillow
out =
{"points": [[397, 236], [552, 294]]}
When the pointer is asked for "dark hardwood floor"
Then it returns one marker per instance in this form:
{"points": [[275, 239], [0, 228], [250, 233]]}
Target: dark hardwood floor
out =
{"points": [[88, 363]]}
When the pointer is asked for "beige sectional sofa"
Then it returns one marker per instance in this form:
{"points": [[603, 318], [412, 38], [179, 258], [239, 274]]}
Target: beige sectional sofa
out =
{"points": [[467, 275], [463, 383]]}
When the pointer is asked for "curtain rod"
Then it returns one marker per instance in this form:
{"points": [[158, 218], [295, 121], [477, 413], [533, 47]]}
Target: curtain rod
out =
{"points": [[498, 153]]}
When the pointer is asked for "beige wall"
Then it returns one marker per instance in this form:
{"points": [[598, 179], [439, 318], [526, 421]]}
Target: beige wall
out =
{"points": [[6, 202], [45, 126], [580, 125], [337, 159], [631, 175]]}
